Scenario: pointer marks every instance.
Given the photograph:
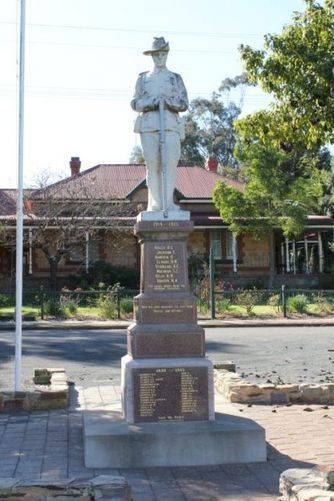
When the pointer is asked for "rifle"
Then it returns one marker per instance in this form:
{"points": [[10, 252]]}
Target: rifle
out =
{"points": [[163, 166]]}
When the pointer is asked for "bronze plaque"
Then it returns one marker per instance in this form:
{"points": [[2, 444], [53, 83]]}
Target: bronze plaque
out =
{"points": [[171, 394]]}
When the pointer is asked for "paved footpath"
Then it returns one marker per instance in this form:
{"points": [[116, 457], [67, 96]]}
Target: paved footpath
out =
{"points": [[49, 444]]}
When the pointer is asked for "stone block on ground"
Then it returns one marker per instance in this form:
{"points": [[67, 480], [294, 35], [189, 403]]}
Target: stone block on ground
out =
{"points": [[314, 494], [295, 482], [227, 365], [51, 392], [238, 390], [102, 488]]}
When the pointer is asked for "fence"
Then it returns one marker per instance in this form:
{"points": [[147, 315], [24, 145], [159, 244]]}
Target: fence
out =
{"points": [[120, 300], [43, 299], [282, 299]]}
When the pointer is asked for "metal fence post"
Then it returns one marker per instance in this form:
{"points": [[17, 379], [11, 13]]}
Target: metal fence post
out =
{"points": [[284, 301], [212, 285], [41, 291], [118, 299]]}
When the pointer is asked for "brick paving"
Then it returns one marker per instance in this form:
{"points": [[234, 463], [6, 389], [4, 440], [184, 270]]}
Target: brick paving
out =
{"points": [[49, 444]]}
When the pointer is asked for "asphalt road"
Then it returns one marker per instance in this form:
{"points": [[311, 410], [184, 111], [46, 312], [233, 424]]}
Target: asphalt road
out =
{"points": [[289, 354]]}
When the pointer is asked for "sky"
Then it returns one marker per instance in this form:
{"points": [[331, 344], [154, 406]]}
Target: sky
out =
{"points": [[82, 61]]}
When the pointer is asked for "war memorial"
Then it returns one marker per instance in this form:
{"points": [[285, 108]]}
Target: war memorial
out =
{"points": [[167, 414]]}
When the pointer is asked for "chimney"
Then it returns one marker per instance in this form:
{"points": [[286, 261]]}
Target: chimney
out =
{"points": [[211, 164], [75, 165]]}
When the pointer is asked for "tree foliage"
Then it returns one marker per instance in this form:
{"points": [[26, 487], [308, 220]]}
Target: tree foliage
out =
{"points": [[296, 67], [286, 164], [210, 128], [137, 156]]}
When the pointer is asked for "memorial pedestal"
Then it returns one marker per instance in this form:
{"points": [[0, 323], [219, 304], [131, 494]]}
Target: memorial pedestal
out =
{"points": [[165, 376], [168, 414]]}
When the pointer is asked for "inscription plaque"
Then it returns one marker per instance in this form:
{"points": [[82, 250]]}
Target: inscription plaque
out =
{"points": [[166, 267], [161, 308], [171, 394]]}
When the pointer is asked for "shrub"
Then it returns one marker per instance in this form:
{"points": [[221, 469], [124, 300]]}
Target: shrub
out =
{"points": [[223, 305], [107, 306], [69, 304], [248, 299], [7, 300], [298, 303], [126, 305], [54, 308], [275, 300], [203, 306], [323, 304]]}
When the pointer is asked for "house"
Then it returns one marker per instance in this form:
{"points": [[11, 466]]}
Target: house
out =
{"points": [[120, 189]]}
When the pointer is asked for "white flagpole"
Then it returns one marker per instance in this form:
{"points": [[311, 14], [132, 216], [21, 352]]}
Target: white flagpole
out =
{"points": [[19, 208]]}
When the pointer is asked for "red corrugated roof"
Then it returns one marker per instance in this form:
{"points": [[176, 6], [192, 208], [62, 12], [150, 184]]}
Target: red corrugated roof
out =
{"points": [[117, 181]]}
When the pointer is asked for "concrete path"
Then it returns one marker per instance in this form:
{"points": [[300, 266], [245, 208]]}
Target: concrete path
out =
{"points": [[49, 444], [291, 354], [298, 321]]}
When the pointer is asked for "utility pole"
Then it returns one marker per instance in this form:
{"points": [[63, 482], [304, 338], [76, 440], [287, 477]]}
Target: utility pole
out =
{"points": [[19, 207]]}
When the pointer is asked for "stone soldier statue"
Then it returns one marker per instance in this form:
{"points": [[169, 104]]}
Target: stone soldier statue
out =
{"points": [[159, 97]]}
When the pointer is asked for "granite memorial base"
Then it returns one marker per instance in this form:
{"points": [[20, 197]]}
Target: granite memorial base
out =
{"points": [[111, 442]]}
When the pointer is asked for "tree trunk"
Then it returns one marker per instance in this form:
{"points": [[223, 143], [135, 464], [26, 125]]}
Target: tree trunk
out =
{"points": [[53, 273], [271, 260]]}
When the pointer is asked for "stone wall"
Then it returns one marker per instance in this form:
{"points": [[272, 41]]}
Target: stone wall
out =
{"points": [[237, 390]]}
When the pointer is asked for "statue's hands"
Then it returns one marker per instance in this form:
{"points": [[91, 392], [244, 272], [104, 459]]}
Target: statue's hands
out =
{"points": [[147, 104], [170, 104]]}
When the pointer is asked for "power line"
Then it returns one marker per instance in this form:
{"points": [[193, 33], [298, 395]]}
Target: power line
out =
{"points": [[101, 90], [120, 47], [131, 30]]}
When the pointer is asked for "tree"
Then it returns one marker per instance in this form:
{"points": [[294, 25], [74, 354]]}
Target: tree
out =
{"points": [[209, 127], [137, 156], [296, 67], [327, 201], [67, 213], [286, 164]]}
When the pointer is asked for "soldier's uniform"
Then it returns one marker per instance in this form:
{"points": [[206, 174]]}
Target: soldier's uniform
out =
{"points": [[149, 88]]}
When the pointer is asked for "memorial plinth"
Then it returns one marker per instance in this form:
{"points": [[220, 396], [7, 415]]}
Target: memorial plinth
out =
{"points": [[165, 376], [168, 415]]}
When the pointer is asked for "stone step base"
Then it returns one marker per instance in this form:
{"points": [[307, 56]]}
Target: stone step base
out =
{"points": [[111, 442]]}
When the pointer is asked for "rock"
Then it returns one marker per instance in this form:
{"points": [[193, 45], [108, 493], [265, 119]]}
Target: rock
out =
{"points": [[314, 494], [308, 477], [328, 471], [311, 393], [110, 487], [227, 365]]}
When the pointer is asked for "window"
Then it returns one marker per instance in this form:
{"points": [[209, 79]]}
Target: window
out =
{"points": [[76, 254], [216, 243], [229, 245], [94, 250]]}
